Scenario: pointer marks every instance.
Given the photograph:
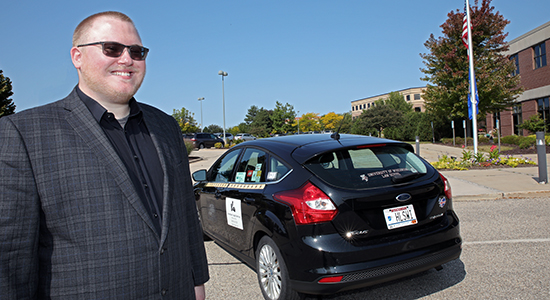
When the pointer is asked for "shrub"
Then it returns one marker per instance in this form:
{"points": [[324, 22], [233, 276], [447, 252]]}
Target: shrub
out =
{"points": [[218, 145], [483, 139], [189, 146], [527, 142], [510, 139]]}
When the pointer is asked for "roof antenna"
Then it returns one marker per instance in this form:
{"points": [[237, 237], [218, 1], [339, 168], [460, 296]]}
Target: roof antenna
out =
{"points": [[336, 135]]}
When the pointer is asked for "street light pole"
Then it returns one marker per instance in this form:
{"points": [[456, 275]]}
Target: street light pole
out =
{"points": [[298, 122], [202, 124], [223, 74]]}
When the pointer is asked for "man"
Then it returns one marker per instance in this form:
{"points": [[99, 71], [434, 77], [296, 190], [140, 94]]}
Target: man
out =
{"points": [[95, 192]]}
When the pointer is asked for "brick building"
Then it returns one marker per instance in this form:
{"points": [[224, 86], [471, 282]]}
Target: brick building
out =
{"points": [[529, 54]]}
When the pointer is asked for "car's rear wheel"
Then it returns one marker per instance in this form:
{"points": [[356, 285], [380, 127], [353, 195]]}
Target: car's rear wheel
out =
{"points": [[272, 273], [201, 146]]}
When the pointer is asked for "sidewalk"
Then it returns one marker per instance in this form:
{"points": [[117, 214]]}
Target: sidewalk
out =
{"points": [[496, 183]]}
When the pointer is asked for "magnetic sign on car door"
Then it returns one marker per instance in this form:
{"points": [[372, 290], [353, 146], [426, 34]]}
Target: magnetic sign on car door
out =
{"points": [[233, 213]]}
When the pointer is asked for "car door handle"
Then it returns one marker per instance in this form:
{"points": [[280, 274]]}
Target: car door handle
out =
{"points": [[249, 200]]}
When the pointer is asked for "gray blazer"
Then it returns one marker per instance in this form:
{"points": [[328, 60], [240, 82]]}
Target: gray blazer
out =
{"points": [[71, 223]]}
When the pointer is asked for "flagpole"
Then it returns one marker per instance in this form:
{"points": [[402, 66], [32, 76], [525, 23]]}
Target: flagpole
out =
{"points": [[472, 77]]}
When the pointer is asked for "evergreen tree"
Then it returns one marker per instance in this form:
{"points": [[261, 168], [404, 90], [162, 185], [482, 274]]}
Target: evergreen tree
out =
{"points": [[282, 118], [7, 107]]}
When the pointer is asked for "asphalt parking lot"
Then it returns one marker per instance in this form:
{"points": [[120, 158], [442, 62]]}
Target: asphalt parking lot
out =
{"points": [[506, 255]]}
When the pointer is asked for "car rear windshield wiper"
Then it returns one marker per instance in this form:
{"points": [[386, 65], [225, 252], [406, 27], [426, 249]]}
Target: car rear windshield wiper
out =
{"points": [[407, 177]]}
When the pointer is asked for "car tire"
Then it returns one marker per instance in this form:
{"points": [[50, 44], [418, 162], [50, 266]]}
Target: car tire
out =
{"points": [[201, 146], [272, 272]]}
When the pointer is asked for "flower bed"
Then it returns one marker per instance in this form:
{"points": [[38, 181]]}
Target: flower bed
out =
{"points": [[480, 161]]}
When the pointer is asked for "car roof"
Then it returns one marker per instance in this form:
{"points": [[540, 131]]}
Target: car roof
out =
{"points": [[305, 146]]}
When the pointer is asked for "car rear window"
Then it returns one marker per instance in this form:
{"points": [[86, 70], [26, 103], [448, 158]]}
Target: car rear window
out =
{"points": [[367, 166]]}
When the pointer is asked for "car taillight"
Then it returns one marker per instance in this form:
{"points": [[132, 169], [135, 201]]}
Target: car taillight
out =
{"points": [[447, 188], [309, 204]]}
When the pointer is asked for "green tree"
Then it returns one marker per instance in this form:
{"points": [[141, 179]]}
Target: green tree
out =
{"points": [[262, 125], [377, 118], [185, 120], [7, 107], [251, 114], [534, 124], [213, 128], [446, 65], [396, 101], [282, 118], [241, 128]]}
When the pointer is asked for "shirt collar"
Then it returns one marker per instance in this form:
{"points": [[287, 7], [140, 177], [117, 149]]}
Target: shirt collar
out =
{"points": [[98, 111]]}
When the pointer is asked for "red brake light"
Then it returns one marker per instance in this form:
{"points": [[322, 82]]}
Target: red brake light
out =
{"points": [[447, 190], [370, 146], [309, 204]]}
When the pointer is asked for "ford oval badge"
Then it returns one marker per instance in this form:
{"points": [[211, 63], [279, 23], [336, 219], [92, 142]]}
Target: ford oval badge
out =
{"points": [[403, 197]]}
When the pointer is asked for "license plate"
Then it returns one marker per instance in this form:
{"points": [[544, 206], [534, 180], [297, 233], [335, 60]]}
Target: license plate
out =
{"points": [[400, 216]]}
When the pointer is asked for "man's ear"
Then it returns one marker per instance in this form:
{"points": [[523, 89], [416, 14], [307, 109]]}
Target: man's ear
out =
{"points": [[76, 57]]}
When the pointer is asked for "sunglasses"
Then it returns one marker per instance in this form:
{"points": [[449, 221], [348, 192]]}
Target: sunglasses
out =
{"points": [[114, 49]]}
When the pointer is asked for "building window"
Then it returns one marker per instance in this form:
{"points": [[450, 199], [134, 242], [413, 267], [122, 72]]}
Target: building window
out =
{"points": [[515, 59], [416, 96], [417, 109], [516, 115], [408, 97], [368, 105], [540, 55], [544, 109]]}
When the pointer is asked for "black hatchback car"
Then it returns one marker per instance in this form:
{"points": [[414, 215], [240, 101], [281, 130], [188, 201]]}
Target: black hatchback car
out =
{"points": [[319, 214]]}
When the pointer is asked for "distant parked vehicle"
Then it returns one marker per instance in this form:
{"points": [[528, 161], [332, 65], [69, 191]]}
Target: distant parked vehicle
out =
{"points": [[228, 136], [203, 140], [245, 137]]}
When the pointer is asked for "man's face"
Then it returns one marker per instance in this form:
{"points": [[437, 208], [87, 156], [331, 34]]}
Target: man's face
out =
{"points": [[112, 80]]}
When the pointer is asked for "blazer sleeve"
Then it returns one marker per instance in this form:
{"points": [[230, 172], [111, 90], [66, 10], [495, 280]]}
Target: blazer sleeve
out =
{"points": [[196, 238], [19, 218]]}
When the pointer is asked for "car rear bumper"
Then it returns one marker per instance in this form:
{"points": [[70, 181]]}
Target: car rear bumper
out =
{"points": [[372, 264], [373, 276]]}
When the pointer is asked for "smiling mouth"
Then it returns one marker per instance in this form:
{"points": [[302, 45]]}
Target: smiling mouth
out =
{"points": [[122, 73]]}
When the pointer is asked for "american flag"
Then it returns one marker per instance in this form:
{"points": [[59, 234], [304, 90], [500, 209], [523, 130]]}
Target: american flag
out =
{"points": [[465, 27]]}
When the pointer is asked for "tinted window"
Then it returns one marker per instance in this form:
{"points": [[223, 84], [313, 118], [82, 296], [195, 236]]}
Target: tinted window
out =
{"points": [[367, 167], [277, 169], [221, 172], [252, 166]]}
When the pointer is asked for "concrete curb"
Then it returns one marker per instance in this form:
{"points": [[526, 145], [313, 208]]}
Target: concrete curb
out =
{"points": [[502, 195]]}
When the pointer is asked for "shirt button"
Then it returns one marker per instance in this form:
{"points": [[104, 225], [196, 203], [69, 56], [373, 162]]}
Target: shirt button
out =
{"points": [[162, 250], [163, 292], [155, 215]]}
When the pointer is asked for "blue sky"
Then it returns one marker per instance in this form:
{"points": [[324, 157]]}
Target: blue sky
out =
{"points": [[315, 55]]}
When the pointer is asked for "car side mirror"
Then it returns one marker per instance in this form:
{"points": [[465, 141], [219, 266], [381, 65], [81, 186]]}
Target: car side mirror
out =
{"points": [[199, 175]]}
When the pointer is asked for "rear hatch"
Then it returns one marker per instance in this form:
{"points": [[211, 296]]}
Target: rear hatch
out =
{"points": [[383, 191]]}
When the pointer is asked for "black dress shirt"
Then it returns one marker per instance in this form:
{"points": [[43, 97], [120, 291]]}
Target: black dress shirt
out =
{"points": [[134, 145]]}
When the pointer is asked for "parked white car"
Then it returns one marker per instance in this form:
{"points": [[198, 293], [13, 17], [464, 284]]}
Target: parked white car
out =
{"points": [[245, 137]]}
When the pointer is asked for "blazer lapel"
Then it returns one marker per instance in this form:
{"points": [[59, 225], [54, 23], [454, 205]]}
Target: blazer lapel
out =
{"points": [[164, 147], [90, 131]]}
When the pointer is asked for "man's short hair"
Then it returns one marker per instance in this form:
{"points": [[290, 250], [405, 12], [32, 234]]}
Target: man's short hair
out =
{"points": [[87, 23]]}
